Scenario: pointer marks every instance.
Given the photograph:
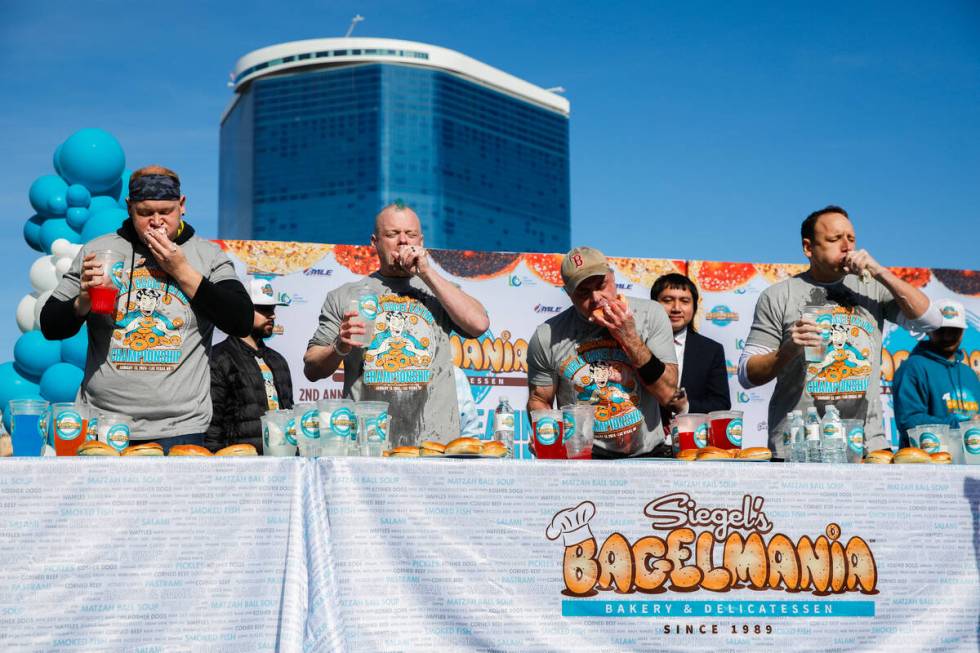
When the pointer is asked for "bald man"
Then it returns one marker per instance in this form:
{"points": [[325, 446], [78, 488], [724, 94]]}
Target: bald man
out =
{"points": [[391, 330]]}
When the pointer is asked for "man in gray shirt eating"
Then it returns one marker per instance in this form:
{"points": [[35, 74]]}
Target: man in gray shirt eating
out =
{"points": [[859, 295], [406, 357]]}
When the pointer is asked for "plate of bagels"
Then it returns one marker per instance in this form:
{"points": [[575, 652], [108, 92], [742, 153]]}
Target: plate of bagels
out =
{"points": [[458, 448], [751, 454]]}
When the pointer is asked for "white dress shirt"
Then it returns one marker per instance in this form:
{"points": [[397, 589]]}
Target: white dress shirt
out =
{"points": [[680, 341]]}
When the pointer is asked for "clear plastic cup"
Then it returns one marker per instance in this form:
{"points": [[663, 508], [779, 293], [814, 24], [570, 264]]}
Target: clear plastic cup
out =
{"points": [[725, 429], [274, 442], [929, 437], [547, 427], [854, 438], [338, 423], [823, 316], [308, 430], [114, 429], [372, 427], [68, 425], [106, 293], [578, 421], [366, 307], [28, 426], [970, 439], [692, 431]]}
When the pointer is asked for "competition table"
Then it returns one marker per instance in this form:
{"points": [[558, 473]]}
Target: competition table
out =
{"points": [[359, 554]]}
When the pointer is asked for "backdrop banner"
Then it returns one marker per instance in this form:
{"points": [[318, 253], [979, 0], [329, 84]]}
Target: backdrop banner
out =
{"points": [[369, 554], [522, 290]]}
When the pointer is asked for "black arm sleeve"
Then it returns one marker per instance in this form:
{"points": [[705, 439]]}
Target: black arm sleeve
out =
{"points": [[226, 304], [59, 320], [716, 391]]}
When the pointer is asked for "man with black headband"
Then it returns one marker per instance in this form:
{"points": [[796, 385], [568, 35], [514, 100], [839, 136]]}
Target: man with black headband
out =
{"points": [[149, 359]]}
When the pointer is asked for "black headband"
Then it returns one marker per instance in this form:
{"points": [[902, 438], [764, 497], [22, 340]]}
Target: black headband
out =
{"points": [[153, 187]]}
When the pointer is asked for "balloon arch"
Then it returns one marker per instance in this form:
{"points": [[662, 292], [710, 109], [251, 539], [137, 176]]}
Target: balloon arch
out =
{"points": [[84, 199]]}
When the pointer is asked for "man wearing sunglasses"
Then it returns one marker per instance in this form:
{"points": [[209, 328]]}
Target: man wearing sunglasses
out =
{"points": [[248, 377]]}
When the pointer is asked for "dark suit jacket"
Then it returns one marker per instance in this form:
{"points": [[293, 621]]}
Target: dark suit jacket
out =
{"points": [[705, 376]]}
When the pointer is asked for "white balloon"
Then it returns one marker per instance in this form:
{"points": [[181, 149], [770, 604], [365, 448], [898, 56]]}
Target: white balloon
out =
{"points": [[61, 266], [61, 247], [25, 313], [73, 250], [43, 275], [43, 297]]}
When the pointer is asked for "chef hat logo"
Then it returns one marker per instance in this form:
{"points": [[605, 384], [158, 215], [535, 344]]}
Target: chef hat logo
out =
{"points": [[572, 524]]}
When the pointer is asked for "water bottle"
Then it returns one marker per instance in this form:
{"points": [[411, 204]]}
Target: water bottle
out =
{"points": [[797, 452], [811, 429], [503, 424], [832, 445]]}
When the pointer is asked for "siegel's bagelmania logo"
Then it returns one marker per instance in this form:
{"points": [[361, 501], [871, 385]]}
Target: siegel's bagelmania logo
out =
{"points": [[685, 558], [721, 315]]}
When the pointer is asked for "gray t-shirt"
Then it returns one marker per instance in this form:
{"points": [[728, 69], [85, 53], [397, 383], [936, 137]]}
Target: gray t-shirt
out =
{"points": [[850, 373], [150, 360], [585, 363], [409, 362]]}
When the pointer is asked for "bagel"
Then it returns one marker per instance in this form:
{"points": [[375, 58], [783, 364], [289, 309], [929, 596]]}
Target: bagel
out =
{"points": [[96, 448], [403, 452], [911, 456], [464, 446], [714, 455], [189, 450], [754, 453], [687, 454], [240, 449], [147, 449], [879, 457], [432, 448], [494, 448], [942, 458]]}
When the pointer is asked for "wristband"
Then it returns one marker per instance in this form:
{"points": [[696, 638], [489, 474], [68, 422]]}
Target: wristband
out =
{"points": [[650, 371]]}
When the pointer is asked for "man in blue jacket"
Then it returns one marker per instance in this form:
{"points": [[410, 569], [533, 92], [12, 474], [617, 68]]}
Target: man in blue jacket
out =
{"points": [[933, 386]]}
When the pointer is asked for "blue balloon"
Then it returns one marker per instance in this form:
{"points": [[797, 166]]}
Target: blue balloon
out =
{"points": [[33, 353], [93, 158], [60, 382], [77, 216], [56, 161], [78, 195], [101, 203], [14, 385], [124, 183], [32, 232], [55, 228], [43, 190], [57, 205], [74, 350], [103, 222]]}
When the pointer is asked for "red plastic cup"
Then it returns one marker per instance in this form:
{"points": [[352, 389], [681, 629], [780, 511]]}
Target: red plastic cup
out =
{"points": [[726, 429], [103, 299], [692, 431]]}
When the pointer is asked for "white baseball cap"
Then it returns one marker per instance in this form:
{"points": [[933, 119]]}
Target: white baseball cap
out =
{"points": [[954, 315], [263, 294]]}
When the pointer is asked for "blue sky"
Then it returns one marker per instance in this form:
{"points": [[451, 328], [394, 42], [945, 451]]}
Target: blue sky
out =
{"points": [[699, 129]]}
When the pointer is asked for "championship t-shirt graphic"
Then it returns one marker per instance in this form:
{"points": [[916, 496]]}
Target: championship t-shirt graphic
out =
{"points": [[148, 334], [399, 355], [845, 371], [602, 375]]}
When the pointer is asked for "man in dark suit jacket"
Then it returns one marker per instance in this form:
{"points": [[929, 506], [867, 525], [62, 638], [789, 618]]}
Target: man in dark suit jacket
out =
{"points": [[703, 373]]}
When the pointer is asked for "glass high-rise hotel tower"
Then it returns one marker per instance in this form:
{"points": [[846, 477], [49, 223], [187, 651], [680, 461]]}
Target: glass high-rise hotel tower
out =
{"points": [[322, 133]]}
